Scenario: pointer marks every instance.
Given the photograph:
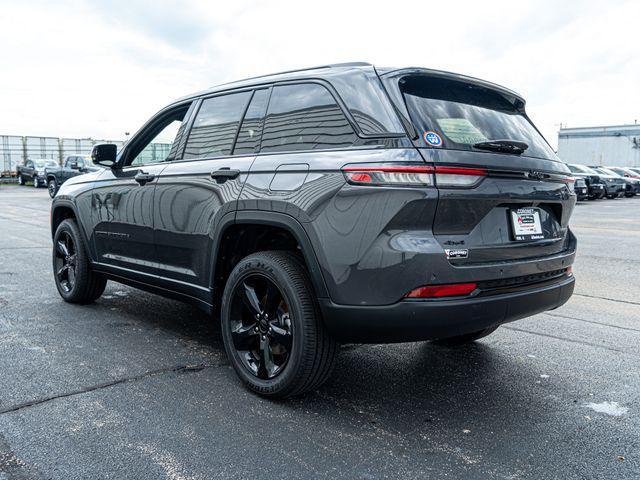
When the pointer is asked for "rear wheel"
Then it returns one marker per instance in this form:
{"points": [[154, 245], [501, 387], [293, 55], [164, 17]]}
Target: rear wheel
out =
{"points": [[52, 188], [20, 180], [75, 280], [271, 325], [464, 339]]}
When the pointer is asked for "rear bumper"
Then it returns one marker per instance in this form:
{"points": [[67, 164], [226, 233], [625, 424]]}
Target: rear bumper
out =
{"points": [[416, 320]]}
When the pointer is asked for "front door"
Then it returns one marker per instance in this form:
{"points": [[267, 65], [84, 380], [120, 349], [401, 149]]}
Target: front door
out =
{"points": [[123, 197]]}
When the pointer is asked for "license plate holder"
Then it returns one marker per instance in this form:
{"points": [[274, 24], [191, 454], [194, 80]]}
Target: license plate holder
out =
{"points": [[526, 224]]}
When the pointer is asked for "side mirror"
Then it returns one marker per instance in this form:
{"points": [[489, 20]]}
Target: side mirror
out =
{"points": [[104, 154], [73, 165]]}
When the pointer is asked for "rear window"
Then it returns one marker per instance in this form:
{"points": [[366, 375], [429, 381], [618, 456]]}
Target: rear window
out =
{"points": [[464, 115]]}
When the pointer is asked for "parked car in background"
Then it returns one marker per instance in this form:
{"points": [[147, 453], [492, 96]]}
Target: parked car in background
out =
{"points": [[631, 185], [33, 170], [635, 170], [626, 172], [614, 185], [595, 186], [73, 165], [337, 204], [581, 189]]}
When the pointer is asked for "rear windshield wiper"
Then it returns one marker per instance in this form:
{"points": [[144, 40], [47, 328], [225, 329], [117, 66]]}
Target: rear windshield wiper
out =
{"points": [[504, 146]]}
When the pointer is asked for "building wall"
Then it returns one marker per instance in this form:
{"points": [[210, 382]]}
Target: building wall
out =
{"points": [[615, 146]]}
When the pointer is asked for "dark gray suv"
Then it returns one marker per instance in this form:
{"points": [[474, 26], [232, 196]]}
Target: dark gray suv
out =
{"points": [[343, 203]]}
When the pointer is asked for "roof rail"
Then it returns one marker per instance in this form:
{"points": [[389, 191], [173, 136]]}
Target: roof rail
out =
{"points": [[319, 67]]}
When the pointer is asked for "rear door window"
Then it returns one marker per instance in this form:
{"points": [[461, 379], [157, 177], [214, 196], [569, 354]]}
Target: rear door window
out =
{"points": [[216, 125], [465, 115], [248, 141], [305, 117]]}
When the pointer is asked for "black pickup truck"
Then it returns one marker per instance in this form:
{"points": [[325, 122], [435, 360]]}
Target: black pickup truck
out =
{"points": [[33, 170], [73, 165]]}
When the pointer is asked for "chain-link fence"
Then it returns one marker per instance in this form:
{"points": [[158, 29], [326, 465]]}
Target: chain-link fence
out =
{"points": [[14, 150]]}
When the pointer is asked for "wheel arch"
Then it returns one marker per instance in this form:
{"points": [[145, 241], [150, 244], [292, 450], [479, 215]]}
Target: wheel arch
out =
{"points": [[278, 223]]}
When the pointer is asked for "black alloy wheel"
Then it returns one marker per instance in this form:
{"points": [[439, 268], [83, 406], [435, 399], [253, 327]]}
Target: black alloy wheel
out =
{"points": [[65, 262], [51, 187], [75, 279], [261, 326], [272, 327]]}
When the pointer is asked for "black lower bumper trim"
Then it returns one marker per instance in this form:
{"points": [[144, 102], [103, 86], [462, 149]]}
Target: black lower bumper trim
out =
{"points": [[417, 320]]}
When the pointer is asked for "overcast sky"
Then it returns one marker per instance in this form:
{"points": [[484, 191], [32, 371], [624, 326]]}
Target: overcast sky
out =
{"points": [[99, 69]]}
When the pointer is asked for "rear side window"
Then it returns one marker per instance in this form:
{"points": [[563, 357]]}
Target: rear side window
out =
{"points": [[215, 126], [465, 115], [305, 117], [248, 141]]}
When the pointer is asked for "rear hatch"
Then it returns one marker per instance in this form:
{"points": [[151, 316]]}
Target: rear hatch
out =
{"points": [[503, 193]]}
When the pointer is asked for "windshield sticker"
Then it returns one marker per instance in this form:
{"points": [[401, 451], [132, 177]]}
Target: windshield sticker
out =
{"points": [[461, 130], [433, 139]]}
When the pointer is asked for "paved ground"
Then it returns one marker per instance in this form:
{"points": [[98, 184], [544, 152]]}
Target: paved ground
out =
{"points": [[137, 386]]}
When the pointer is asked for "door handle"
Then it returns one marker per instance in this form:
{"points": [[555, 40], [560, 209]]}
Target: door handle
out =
{"points": [[224, 174], [143, 178]]}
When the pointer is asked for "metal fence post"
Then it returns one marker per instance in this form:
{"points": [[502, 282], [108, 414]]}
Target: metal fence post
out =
{"points": [[24, 149]]}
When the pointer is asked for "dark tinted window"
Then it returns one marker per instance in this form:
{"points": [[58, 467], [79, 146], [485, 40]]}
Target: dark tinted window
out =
{"points": [[304, 117], [216, 125], [465, 114], [251, 130]]}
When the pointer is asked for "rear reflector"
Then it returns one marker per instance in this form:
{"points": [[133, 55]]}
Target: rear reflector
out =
{"points": [[389, 175], [435, 291]]}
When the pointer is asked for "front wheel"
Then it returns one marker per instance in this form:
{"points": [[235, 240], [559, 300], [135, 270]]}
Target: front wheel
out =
{"points": [[464, 339], [272, 330], [36, 182], [75, 280], [20, 180], [52, 188]]}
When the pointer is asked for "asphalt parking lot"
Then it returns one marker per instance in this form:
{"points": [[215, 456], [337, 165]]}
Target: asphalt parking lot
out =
{"points": [[137, 386]]}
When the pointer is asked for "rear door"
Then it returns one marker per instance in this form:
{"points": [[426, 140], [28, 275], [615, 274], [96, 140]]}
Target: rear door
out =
{"points": [[195, 191], [503, 193]]}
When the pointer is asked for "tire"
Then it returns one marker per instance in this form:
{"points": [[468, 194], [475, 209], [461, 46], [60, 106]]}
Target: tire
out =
{"points": [[52, 187], [20, 180], [36, 182], [75, 280], [302, 353], [464, 339]]}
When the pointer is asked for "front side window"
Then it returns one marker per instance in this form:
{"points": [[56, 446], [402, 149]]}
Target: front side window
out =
{"points": [[468, 116], [215, 126], [305, 117], [156, 143]]}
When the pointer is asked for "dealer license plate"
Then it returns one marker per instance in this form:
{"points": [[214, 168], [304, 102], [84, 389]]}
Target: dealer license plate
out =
{"points": [[526, 224]]}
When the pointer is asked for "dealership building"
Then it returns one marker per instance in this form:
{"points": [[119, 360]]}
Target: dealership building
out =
{"points": [[617, 145]]}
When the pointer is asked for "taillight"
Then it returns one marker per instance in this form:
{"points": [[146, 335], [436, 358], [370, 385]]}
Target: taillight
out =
{"points": [[436, 291], [389, 175], [571, 183], [459, 176]]}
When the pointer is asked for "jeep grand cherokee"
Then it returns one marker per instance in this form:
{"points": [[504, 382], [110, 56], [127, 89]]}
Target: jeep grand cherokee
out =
{"points": [[344, 203]]}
